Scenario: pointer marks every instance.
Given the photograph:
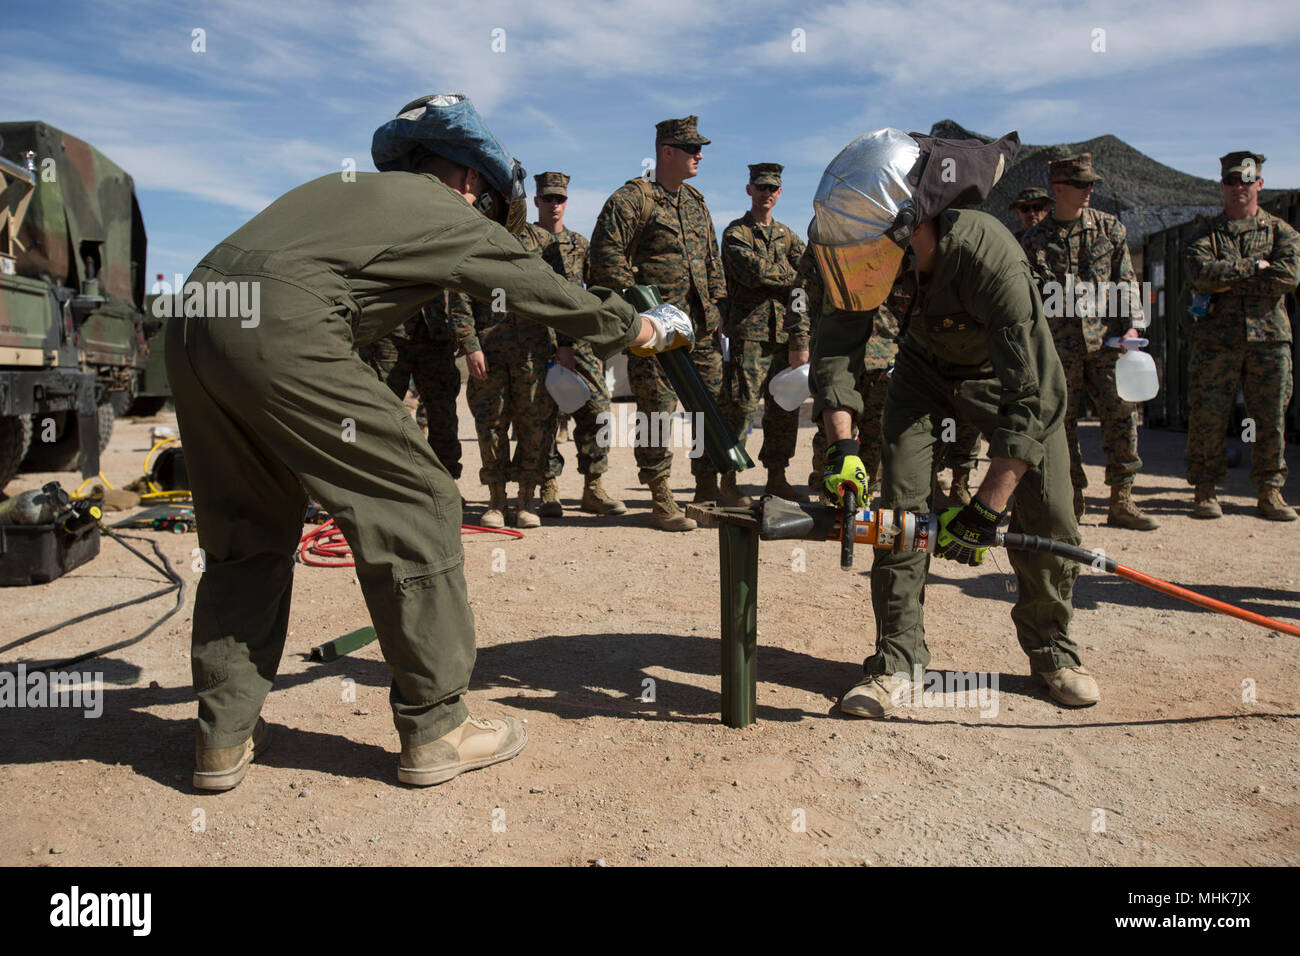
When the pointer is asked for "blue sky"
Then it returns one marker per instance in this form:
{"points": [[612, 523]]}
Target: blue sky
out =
{"points": [[285, 92]]}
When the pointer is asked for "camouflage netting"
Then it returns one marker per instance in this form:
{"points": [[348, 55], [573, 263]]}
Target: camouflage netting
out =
{"points": [[1146, 195]]}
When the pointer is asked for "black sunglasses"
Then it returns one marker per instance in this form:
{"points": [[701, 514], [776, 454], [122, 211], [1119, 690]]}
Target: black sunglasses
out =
{"points": [[1079, 183], [1035, 207], [1236, 180], [767, 188], [688, 150], [552, 197]]}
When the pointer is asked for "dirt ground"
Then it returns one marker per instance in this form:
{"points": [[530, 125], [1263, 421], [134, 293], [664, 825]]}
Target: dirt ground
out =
{"points": [[1176, 765]]}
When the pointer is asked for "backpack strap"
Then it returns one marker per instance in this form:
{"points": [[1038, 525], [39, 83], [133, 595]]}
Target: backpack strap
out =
{"points": [[646, 194]]}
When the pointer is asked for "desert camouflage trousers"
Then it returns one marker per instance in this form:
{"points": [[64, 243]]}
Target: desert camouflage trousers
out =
{"points": [[745, 380], [514, 391], [1263, 373], [593, 457], [1093, 374]]}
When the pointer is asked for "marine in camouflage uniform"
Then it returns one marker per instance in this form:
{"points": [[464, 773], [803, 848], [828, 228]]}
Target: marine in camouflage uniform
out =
{"points": [[424, 351], [1031, 207], [677, 251], [566, 253], [760, 263], [516, 351], [1072, 259], [1245, 266]]}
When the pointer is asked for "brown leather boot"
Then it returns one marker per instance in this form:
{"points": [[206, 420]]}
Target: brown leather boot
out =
{"points": [[527, 517], [777, 485], [597, 502], [732, 496], [706, 489], [551, 507], [959, 492], [222, 768], [1272, 506], [495, 516], [666, 515], [1124, 512], [1204, 503]]}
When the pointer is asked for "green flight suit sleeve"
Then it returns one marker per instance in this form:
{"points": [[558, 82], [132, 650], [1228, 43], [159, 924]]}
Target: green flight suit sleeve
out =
{"points": [[532, 289], [996, 287], [839, 350]]}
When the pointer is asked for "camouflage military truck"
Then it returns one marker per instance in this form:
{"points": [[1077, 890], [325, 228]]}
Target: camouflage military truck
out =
{"points": [[72, 327]]}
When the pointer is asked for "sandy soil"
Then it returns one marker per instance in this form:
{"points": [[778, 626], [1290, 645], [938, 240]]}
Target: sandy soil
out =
{"points": [[1172, 767]]}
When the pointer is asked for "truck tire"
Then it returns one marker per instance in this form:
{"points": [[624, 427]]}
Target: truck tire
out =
{"points": [[15, 436], [65, 453], [146, 406]]}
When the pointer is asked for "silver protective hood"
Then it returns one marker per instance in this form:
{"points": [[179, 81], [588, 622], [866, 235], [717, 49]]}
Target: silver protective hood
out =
{"points": [[856, 204]]}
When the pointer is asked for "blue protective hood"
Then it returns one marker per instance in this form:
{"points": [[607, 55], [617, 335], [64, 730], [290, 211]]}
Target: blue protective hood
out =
{"points": [[447, 125]]}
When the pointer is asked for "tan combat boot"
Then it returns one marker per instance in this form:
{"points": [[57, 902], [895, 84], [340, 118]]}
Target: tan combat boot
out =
{"points": [[551, 507], [959, 492], [1124, 512], [1272, 506], [1072, 686], [777, 485], [877, 696], [596, 501], [223, 767], [1205, 504], [527, 517], [706, 489], [495, 516], [730, 495], [667, 516], [474, 744]]}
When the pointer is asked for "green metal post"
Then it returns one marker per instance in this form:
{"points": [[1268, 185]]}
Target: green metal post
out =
{"points": [[738, 558], [332, 650]]}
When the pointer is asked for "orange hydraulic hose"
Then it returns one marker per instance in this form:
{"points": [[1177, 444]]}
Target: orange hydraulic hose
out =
{"points": [[1173, 590]]}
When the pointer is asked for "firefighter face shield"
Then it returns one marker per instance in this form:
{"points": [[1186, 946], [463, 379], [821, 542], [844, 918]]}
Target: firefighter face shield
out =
{"points": [[860, 199], [875, 192]]}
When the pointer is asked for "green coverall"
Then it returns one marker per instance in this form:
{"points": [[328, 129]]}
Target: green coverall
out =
{"points": [[979, 350], [275, 404]]}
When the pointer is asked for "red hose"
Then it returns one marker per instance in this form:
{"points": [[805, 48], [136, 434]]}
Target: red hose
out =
{"points": [[328, 542]]}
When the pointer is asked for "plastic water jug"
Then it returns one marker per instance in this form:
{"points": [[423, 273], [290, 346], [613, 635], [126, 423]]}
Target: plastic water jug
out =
{"points": [[567, 388], [1135, 373], [790, 387]]}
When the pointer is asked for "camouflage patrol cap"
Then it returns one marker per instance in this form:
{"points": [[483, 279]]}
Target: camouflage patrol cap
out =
{"points": [[1073, 167], [1030, 195], [552, 184], [680, 131], [1242, 161], [765, 174]]}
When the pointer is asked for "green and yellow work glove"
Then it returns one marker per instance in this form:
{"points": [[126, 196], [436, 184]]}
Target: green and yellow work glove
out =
{"points": [[844, 468], [966, 534]]}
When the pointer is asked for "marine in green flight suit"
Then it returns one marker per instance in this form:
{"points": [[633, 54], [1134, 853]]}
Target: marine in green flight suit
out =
{"points": [[279, 405], [977, 349]]}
